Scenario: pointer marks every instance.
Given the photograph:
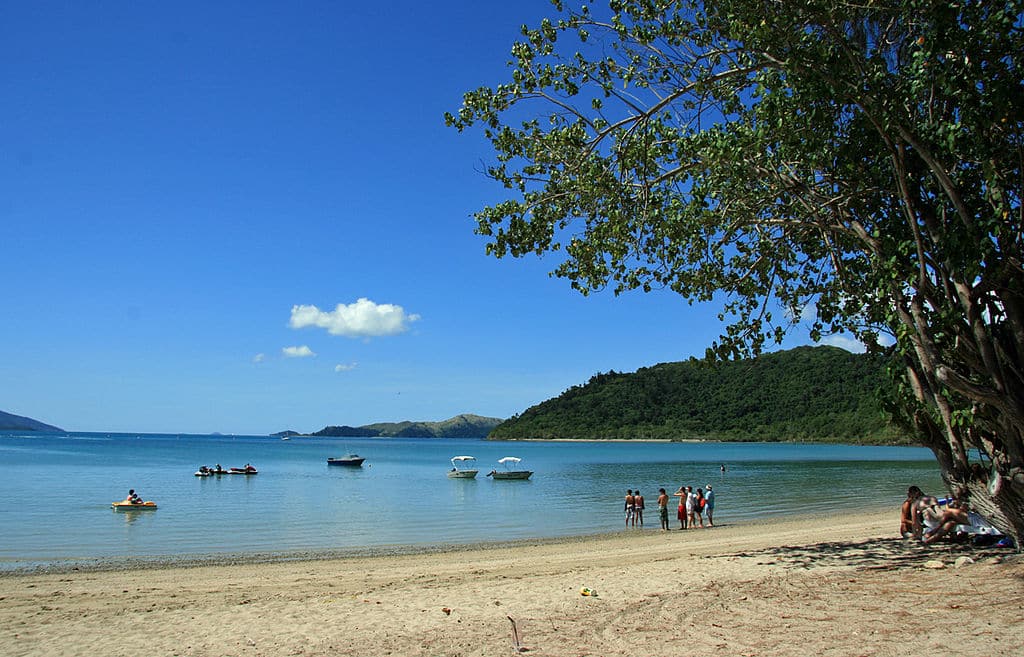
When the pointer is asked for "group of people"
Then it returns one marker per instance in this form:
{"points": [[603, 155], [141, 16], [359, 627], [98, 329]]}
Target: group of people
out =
{"points": [[634, 508], [693, 506], [922, 517]]}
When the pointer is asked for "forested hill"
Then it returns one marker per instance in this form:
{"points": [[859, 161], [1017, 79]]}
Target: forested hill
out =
{"points": [[821, 394]]}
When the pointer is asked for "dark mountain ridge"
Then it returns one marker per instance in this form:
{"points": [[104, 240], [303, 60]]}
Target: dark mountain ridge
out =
{"points": [[9, 422], [461, 426]]}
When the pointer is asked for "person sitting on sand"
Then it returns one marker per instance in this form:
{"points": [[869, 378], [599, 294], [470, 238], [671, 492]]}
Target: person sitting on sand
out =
{"points": [[926, 515], [907, 512], [924, 518], [946, 521]]}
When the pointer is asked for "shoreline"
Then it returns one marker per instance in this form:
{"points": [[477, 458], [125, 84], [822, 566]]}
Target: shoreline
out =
{"points": [[814, 585], [214, 559]]}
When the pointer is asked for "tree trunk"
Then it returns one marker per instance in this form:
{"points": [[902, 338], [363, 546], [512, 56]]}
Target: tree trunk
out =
{"points": [[1004, 508]]}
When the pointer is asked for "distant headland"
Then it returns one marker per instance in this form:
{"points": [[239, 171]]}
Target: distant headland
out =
{"points": [[460, 426], [9, 422]]}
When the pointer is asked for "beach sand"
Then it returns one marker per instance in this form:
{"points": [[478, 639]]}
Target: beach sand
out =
{"points": [[813, 586]]}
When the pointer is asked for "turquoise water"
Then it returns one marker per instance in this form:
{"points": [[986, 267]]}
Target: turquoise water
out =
{"points": [[55, 491]]}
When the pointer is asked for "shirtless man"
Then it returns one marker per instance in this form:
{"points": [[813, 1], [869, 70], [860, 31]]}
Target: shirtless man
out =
{"points": [[630, 507], [638, 508], [663, 508], [681, 513]]}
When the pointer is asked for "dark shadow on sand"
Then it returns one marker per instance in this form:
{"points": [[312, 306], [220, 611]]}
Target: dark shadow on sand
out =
{"points": [[872, 554]]}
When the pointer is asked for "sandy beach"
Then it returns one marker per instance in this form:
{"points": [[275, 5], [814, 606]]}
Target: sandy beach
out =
{"points": [[811, 586]]}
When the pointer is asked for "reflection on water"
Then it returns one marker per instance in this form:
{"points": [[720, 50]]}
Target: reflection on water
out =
{"points": [[129, 516], [402, 495]]}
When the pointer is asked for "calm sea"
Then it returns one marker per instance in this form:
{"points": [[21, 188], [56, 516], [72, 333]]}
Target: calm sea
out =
{"points": [[56, 490]]}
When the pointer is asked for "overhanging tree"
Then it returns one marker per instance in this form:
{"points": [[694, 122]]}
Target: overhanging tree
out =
{"points": [[860, 159]]}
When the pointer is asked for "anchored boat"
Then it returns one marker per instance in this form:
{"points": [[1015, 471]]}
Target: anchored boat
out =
{"points": [[463, 467], [511, 471], [351, 460]]}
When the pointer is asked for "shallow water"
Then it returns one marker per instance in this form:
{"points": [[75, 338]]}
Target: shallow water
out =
{"points": [[56, 490]]}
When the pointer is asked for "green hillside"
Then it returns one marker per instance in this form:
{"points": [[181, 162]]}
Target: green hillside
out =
{"points": [[819, 394]]}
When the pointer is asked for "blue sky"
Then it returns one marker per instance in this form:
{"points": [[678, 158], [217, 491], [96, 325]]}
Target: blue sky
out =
{"points": [[249, 217]]}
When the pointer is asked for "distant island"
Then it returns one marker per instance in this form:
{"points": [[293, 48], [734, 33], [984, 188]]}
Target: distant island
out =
{"points": [[807, 394], [460, 426], [9, 422]]}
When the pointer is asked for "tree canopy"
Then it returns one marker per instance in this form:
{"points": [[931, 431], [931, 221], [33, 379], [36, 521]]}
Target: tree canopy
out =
{"points": [[859, 163]]}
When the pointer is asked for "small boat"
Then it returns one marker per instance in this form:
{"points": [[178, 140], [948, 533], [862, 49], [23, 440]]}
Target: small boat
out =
{"points": [[467, 471], [511, 470], [132, 506], [351, 460], [247, 470], [206, 471]]}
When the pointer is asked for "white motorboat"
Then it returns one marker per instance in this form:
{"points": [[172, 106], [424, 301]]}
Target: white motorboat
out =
{"points": [[511, 471], [463, 467]]}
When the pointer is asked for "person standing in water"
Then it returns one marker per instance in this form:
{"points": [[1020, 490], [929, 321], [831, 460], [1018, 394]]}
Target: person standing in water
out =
{"points": [[709, 505], [681, 513], [630, 506], [663, 508], [638, 508]]}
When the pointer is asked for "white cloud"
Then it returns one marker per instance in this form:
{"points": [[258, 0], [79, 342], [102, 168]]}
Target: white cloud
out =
{"points": [[259, 358], [363, 318], [844, 342], [341, 367], [298, 352]]}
